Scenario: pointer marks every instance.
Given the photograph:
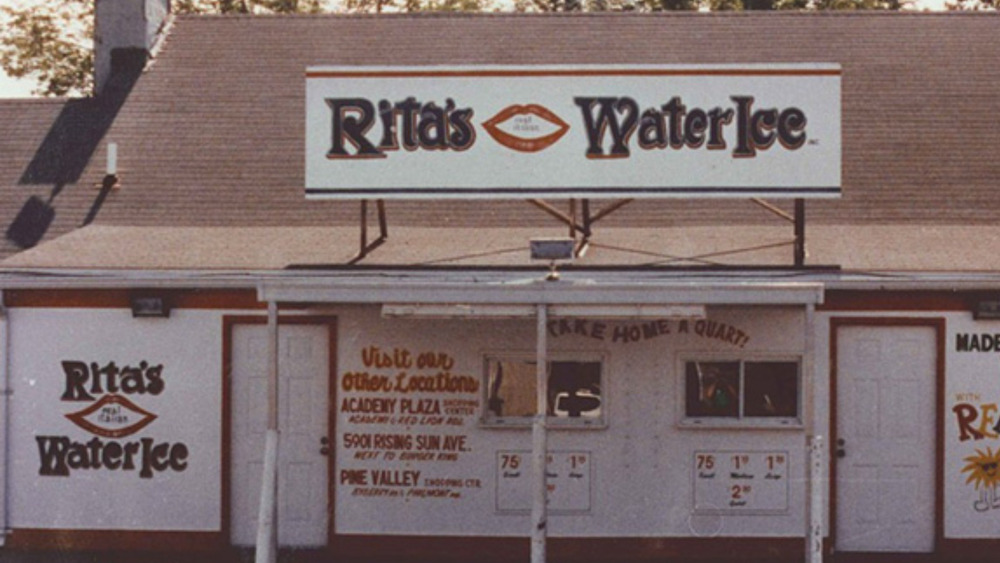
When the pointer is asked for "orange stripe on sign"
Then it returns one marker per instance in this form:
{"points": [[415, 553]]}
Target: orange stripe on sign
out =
{"points": [[545, 73]]}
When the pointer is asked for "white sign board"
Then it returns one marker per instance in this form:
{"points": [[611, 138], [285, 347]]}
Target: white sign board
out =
{"points": [[580, 131], [741, 482], [567, 481]]}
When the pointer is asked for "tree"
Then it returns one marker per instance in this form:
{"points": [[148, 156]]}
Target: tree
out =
{"points": [[53, 42], [580, 5], [973, 5], [385, 6]]}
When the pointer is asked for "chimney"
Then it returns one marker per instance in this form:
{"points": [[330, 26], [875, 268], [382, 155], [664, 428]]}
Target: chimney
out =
{"points": [[124, 24]]}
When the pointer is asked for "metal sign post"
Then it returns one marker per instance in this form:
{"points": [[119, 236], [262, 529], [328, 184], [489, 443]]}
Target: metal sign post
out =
{"points": [[539, 446]]}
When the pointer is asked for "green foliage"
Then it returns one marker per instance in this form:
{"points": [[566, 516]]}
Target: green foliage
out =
{"points": [[581, 5], [457, 5], [973, 5], [245, 6], [50, 42]]}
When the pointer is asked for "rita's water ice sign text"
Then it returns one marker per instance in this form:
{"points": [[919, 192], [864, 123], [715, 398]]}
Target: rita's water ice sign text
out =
{"points": [[676, 131], [109, 390]]}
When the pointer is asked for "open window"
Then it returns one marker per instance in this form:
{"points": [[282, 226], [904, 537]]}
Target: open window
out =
{"points": [[742, 391], [574, 391]]}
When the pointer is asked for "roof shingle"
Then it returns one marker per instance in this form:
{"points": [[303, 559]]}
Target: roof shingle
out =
{"points": [[212, 135]]}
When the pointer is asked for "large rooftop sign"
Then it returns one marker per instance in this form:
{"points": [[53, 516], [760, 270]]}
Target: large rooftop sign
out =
{"points": [[559, 131]]}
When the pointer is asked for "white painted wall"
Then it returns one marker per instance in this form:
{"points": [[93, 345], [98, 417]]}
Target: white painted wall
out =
{"points": [[972, 508], [189, 346], [642, 462], [973, 374]]}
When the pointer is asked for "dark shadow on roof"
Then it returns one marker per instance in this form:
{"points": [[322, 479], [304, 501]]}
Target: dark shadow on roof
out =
{"points": [[70, 144]]}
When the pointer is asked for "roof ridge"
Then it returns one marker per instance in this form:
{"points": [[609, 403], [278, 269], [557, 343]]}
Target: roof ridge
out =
{"points": [[42, 99], [606, 14]]}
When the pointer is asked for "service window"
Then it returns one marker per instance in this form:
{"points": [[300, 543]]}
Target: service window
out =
{"points": [[574, 391], [742, 391]]}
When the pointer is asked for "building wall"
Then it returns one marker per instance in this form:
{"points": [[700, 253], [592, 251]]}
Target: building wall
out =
{"points": [[638, 475], [967, 413], [148, 459], [412, 456], [972, 436]]}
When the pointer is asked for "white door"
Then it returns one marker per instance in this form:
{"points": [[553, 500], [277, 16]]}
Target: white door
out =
{"points": [[303, 392], [886, 393]]}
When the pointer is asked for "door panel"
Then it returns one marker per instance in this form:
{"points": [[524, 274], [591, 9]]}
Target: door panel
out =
{"points": [[303, 398], [886, 397]]}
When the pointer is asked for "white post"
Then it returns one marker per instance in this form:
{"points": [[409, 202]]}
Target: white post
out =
{"points": [[267, 516], [267, 549], [814, 539], [814, 444], [5, 393], [539, 509]]}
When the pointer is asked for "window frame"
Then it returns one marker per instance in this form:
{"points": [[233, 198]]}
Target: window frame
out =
{"points": [[488, 420], [741, 420]]}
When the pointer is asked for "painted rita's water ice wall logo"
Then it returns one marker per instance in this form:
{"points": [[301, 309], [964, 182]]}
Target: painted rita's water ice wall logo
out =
{"points": [[109, 394]]}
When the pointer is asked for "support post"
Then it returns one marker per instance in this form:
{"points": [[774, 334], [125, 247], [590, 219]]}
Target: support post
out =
{"points": [[539, 445], [800, 233], [5, 393], [267, 515], [814, 538], [572, 217], [814, 443], [365, 247]]}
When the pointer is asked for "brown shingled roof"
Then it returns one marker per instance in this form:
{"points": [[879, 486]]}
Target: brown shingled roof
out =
{"points": [[212, 135], [24, 125]]}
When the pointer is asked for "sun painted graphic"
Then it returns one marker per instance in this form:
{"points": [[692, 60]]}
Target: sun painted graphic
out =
{"points": [[984, 475]]}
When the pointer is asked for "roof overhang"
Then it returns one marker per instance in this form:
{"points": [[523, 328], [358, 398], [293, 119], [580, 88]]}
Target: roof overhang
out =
{"points": [[644, 294]]}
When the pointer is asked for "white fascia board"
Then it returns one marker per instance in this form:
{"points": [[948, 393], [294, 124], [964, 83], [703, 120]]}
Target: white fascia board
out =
{"points": [[125, 279], [542, 292], [444, 287], [603, 311]]}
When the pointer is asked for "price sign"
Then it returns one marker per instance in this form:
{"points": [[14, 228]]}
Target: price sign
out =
{"points": [[741, 482], [568, 481]]}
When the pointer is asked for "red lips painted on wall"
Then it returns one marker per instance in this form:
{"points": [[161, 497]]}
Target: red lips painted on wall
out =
{"points": [[526, 118], [116, 416]]}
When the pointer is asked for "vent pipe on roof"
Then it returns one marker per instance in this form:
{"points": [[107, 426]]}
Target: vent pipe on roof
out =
{"points": [[124, 24]]}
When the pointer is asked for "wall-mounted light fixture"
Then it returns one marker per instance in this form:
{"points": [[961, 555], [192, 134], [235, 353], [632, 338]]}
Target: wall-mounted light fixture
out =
{"points": [[987, 310], [150, 306], [554, 250]]}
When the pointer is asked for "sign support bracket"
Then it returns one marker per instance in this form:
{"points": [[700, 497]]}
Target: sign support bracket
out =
{"points": [[800, 233], [799, 222], [585, 225], [366, 247]]}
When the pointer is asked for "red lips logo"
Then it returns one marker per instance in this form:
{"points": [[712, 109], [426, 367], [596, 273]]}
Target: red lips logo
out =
{"points": [[527, 128], [113, 416]]}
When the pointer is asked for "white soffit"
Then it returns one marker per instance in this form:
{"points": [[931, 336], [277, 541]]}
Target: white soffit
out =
{"points": [[591, 292], [610, 311]]}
